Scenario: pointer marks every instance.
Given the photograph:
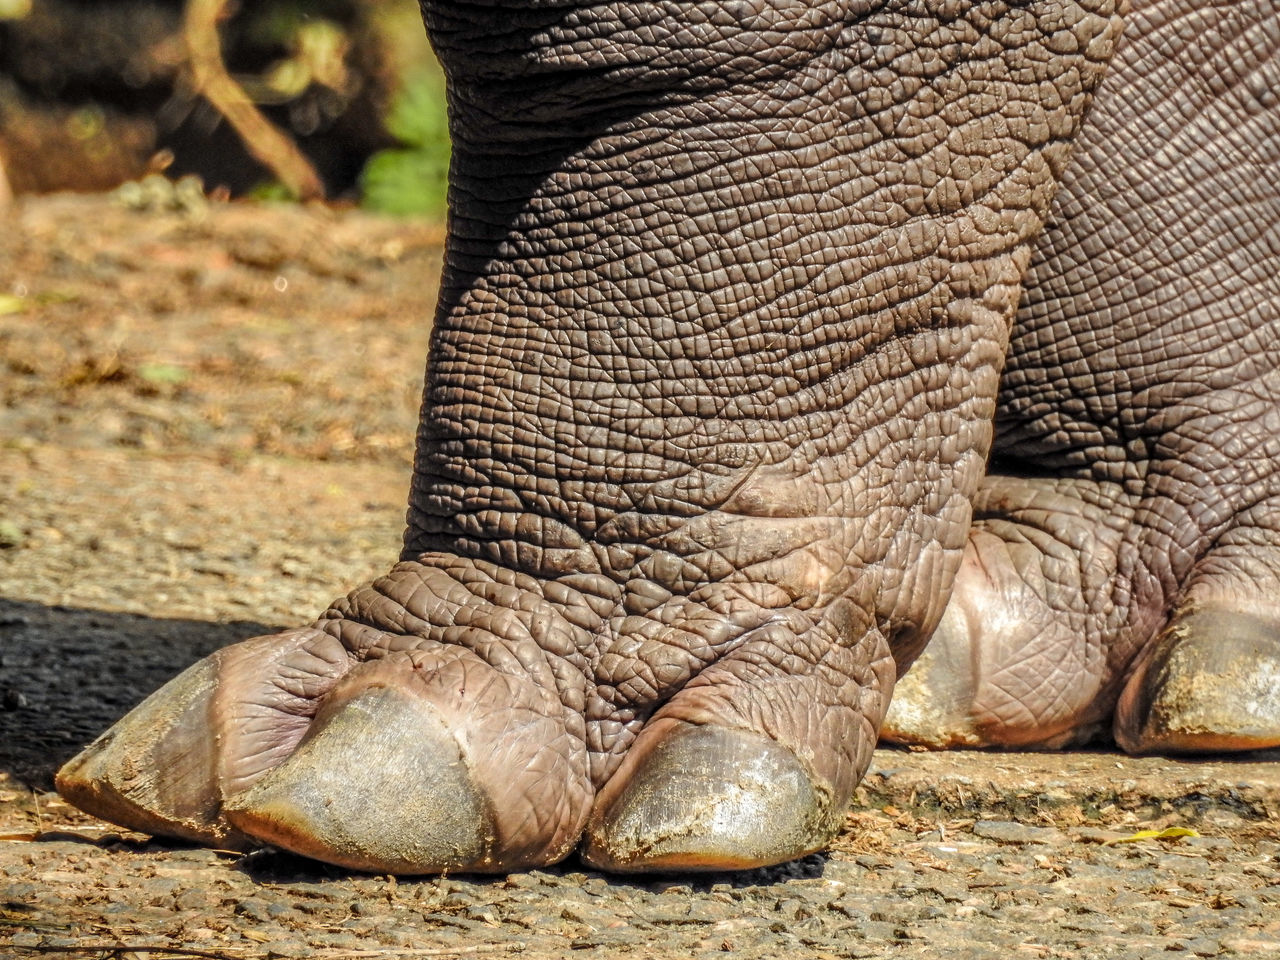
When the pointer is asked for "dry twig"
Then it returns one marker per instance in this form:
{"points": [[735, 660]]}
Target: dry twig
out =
{"points": [[6, 192], [271, 147], [158, 950]]}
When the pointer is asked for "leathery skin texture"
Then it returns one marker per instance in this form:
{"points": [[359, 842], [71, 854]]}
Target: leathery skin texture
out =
{"points": [[1123, 571], [728, 290]]}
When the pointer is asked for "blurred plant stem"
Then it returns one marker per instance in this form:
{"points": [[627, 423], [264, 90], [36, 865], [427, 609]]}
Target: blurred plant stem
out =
{"points": [[268, 145]]}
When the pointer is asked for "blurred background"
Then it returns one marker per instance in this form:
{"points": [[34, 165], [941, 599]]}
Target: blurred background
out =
{"points": [[339, 99]]}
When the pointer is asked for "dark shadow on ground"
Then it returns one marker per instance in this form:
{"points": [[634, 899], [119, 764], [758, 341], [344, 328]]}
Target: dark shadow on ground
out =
{"points": [[276, 866], [66, 674]]}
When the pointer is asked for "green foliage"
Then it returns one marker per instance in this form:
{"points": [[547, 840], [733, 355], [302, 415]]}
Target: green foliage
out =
{"points": [[163, 374], [278, 23], [406, 183], [412, 181], [272, 191], [418, 115]]}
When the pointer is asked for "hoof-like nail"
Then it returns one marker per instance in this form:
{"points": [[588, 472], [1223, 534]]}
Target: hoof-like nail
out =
{"points": [[709, 798], [1211, 684], [381, 784], [155, 770], [932, 703]]}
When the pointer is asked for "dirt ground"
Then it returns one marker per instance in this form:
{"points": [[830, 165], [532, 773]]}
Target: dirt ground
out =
{"points": [[206, 417]]}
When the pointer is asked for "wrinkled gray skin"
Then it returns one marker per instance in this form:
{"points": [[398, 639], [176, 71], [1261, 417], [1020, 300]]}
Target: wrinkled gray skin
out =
{"points": [[711, 395]]}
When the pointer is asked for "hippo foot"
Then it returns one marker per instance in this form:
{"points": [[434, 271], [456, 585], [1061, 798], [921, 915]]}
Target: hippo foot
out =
{"points": [[455, 716], [1050, 641]]}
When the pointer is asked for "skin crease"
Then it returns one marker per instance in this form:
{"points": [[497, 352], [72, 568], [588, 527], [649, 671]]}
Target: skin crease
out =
{"points": [[713, 376]]}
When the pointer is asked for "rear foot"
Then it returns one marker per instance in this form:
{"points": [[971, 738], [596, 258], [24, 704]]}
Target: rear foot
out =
{"points": [[1023, 656], [1048, 642]]}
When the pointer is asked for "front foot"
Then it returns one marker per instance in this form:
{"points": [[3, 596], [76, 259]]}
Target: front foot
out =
{"points": [[154, 770], [452, 717], [379, 751], [753, 762]]}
